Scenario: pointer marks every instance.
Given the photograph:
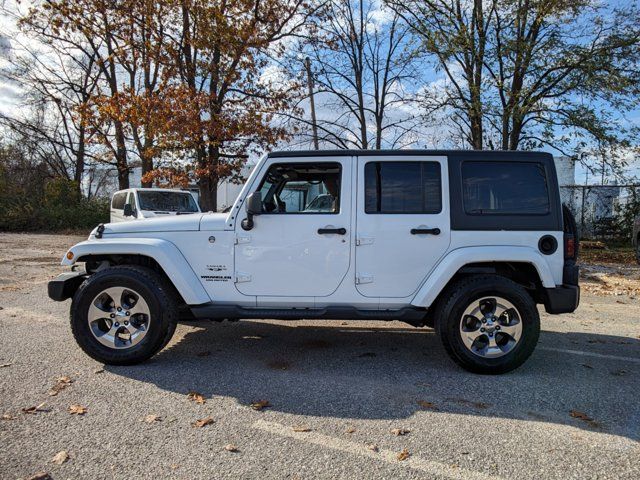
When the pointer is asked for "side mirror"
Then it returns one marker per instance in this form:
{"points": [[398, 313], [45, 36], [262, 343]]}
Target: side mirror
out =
{"points": [[253, 206], [128, 210]]}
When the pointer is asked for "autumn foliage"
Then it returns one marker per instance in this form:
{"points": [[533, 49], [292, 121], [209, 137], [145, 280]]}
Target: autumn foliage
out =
{"points": [[187, 86]]}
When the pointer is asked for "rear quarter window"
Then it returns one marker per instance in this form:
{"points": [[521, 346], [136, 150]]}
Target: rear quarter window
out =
{"points": [[505, 188]]}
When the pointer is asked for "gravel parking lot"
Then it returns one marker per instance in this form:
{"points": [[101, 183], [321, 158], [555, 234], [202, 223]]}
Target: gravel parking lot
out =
{"points": [[339, 399]]}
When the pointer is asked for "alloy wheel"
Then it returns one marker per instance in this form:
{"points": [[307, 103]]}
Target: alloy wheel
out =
{"points": [[491, 327]]}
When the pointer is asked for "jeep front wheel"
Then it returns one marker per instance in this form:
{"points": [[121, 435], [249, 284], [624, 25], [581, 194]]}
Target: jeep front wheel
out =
{"points": [[488, 324], [123, 315]]}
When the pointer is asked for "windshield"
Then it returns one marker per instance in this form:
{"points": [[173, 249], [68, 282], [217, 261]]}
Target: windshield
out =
{"points": [[167, 201]]}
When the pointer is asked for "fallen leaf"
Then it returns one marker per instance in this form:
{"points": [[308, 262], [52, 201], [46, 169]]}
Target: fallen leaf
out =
{"points": [[260, 404], [60, 457], [350, 430], [196, 397], [6, 416], [400, 431], [301, 429], [6, 365], [480, 405], [580, 415], [174, 466], [403, 455], [279, 365], [41, 476], [204, 354], [61, 384], [203, 422], [231, 448], [152, 418], [36, 409], [373, 447], [77, 409], [429, 405]]}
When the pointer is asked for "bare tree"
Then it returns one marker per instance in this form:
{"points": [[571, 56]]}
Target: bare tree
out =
{"points": [[365, 74], [532, 73], [54, 81]]}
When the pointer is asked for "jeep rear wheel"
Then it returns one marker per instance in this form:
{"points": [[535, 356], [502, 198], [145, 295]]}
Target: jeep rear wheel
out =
{"points": [[123, 315], [488, 324]]}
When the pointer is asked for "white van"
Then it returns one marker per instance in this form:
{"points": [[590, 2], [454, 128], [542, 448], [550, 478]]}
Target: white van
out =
{"points": [[141, 203]]}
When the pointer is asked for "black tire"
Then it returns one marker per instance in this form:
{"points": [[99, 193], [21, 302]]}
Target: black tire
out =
{"points": [[449, 312], [156, 292]]}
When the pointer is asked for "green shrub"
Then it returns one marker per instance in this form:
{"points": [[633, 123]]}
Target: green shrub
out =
{"points": [[60, 208]]}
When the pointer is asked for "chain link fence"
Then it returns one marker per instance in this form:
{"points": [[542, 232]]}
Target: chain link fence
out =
{"points": [[603, 212]]}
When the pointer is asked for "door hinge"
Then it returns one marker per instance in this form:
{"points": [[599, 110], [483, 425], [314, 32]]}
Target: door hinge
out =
{"points": [[360, 279], [364, 241], [242, 277], [242, 239]]}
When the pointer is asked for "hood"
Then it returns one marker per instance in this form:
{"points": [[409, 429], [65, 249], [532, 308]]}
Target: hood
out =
{"points": [[215, 221], [173, 223]]}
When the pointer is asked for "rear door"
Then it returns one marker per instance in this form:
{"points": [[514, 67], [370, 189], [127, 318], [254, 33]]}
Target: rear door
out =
{"points": [[402, 222]]}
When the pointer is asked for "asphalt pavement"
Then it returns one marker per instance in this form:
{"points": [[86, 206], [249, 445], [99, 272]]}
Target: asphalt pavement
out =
{"points": [[331, 399]]}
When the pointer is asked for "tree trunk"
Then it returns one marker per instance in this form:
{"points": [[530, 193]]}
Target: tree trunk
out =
{"points": [[79, 167], [147, 160], [208, 194], [121, 157]]}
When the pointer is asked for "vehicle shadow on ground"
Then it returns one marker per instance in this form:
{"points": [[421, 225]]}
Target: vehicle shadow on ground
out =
{"points": [[344, 370]]}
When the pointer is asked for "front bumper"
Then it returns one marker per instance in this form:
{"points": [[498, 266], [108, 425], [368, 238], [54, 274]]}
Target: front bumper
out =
{"points": [[65, 285]]}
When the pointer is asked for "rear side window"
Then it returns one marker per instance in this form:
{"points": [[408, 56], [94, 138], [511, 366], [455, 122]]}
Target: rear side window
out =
{"points": [[402, 187], [118, 201], [505, 188]]}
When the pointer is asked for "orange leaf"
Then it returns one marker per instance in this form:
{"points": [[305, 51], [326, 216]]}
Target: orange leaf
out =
{"points": [[77, 409], [203, 422], [260, 404], [196, 397], [403, 455]]}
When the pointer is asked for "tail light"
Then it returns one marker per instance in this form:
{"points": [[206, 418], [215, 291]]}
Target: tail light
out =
{"points": [[569, 247]]}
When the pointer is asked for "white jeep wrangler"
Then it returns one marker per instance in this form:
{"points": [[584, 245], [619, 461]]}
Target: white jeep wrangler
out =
{"points": [[465, 241]]}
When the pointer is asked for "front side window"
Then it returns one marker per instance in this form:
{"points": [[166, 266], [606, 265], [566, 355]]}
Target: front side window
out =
{"points": [[505, 188], [301, 188], [402, 187]]}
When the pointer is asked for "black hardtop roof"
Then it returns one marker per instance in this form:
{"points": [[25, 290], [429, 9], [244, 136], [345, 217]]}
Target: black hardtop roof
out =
{"points": [[480, 154]]}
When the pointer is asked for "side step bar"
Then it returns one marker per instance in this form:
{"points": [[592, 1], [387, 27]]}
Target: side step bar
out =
{"points": [[412, 316]]}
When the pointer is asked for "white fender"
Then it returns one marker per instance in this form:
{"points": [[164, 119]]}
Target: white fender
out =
{"points": [[460, 257], [164, 252]]}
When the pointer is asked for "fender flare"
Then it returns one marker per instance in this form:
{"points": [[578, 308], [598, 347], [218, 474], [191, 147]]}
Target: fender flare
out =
{"points": [[162, 251], [456, 259]]}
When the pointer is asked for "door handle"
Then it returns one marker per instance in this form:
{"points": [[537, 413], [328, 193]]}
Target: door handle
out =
{"points": [[327, 231], [425, 231]]}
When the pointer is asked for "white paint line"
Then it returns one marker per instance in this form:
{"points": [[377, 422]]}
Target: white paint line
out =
{"points": [[591, 354], [428, 466]]}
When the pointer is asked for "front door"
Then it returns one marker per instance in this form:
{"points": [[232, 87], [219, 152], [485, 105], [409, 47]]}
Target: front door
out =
{"points": [[299, 245], [402, 222]]}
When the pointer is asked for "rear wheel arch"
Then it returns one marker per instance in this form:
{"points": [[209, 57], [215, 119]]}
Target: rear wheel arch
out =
{"points": [[524, 274]]}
